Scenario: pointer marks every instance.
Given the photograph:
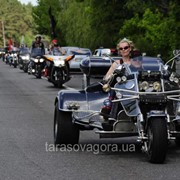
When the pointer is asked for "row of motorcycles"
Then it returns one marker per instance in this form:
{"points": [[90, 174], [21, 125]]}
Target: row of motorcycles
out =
{"points": [[54, 65], [143, 99]]}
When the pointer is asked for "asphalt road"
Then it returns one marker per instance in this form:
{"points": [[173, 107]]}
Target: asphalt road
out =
{"points": [[26, 140]]}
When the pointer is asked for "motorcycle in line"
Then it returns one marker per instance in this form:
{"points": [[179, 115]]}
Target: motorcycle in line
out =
{"points": [[145, 104], [13, 58], [37, 62], [24, 58], [57, 67]]}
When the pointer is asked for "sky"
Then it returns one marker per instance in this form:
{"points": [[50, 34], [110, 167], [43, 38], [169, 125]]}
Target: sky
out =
{"points": [[33, 2]]}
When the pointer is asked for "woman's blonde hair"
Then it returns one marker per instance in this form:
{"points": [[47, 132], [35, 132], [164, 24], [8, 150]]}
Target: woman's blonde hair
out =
{"points": [[131, 44]]}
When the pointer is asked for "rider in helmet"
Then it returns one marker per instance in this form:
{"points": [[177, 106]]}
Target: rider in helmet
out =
{"points": [[36, 44]]}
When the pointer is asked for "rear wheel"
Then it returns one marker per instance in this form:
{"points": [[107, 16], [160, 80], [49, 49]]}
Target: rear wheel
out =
{"points": [[157, 140], [65, 132]]}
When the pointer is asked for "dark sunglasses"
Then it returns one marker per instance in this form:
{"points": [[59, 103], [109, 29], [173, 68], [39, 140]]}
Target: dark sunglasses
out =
{"points": [[124, 48]]}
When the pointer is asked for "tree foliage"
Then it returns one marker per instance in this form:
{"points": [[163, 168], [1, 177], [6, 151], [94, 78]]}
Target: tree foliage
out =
{"points": [[152, 24], [17, 20]]}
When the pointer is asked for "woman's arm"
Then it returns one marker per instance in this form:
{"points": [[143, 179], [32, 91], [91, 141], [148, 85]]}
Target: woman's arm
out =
{"points": [[111, 70]]}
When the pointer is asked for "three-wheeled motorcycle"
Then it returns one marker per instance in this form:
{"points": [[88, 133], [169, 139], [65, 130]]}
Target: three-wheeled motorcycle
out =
{"points": [[145, 104]]}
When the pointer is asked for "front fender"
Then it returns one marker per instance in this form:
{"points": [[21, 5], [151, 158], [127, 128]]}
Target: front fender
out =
{"points": [[155, 113], [85, 101], [67, 97]]}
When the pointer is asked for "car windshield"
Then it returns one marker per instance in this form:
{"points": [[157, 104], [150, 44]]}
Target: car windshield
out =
{"points": [[142, 63], [37, 52]]}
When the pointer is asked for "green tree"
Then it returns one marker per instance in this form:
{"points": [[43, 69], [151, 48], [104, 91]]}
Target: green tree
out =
{"points": [[17, 20], [152, 24]]}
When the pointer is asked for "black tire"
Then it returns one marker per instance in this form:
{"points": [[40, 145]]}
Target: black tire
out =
{"points": [[157, 140], [65, 132], [25, 68], [177, 140], [57, 82], [38, 75]]}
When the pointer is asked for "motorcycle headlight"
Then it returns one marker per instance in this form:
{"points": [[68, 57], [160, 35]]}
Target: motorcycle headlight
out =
{"points": [[171, 78], [130, 84], [176, 80], [36, 60], [62, 64], [118, 95], [59, 63], [124, 78], [41, 60], [144, 85], [118, 79], [25, 57], [156, 86]]}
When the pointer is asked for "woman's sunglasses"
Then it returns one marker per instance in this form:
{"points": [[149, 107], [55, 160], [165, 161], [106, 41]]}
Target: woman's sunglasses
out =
{"points": [[124, 48]]}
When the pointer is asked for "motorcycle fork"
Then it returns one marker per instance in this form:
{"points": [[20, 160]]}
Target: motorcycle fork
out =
{"points": [[142, 138], [142, 135], [140, 127]]}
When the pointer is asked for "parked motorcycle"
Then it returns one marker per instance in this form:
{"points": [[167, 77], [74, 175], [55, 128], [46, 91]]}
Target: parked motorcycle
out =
{"points": [[37, 62], [57, 68], [145, 104]]}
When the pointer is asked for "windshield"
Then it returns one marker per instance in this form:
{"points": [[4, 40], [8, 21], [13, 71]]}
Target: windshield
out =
{"points": [[24, 51], [37, 52], [143, 63], [56, 52]]}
